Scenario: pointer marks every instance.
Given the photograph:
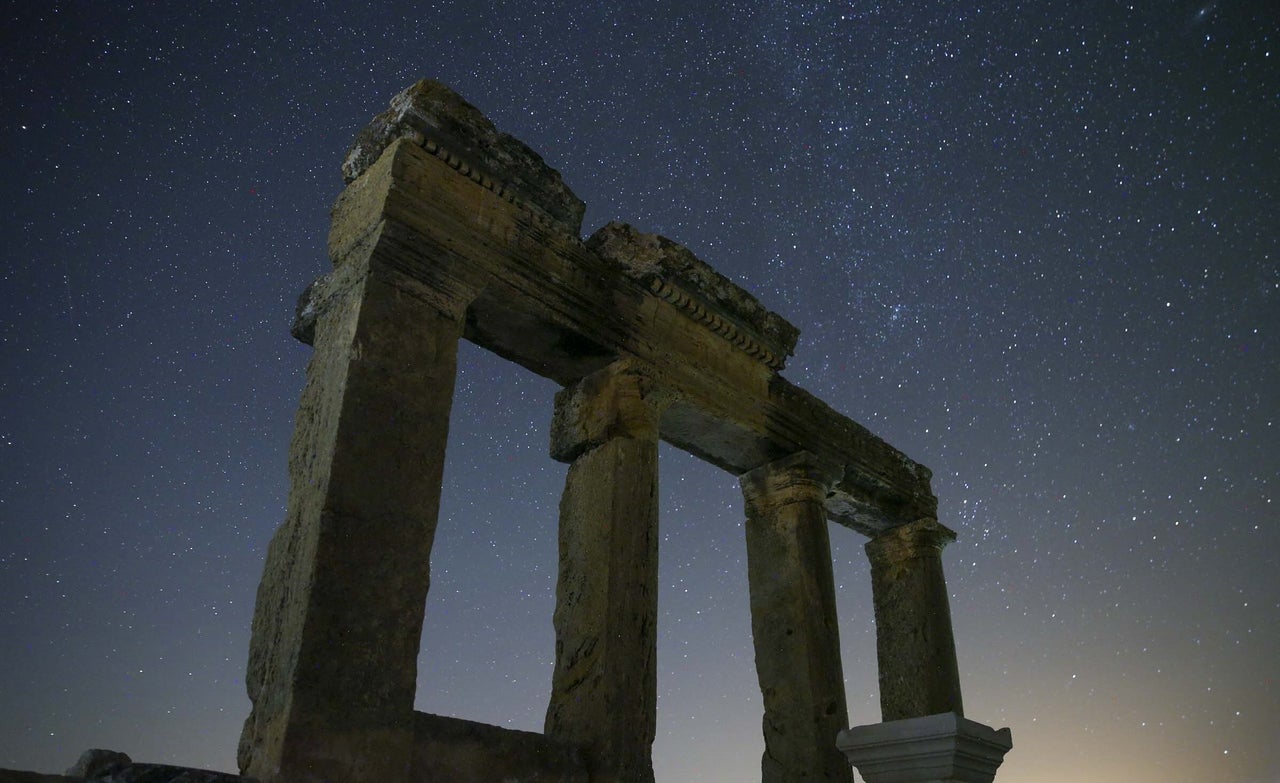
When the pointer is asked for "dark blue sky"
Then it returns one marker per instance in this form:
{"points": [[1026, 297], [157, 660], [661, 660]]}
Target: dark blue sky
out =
{"points": [[1034, 246]]}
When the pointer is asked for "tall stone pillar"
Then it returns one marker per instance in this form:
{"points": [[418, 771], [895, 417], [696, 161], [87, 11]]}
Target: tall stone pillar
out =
{"points": [[604, 690], [914, 643], [794, 621], [333, 657], [925, 737]]}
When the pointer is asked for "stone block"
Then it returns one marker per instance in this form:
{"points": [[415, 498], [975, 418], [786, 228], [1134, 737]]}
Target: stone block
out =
{"points": [[942, 748], [438, 119], [463, 751], [620, 401]]}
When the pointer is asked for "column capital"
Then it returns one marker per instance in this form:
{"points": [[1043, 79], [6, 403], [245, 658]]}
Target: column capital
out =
{"points": [[922, 538], [796, 478], [622, 400]]}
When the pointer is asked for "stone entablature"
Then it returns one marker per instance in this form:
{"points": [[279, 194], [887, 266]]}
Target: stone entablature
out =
{"points": [[709, 298], [449, 229], [549, 303]]}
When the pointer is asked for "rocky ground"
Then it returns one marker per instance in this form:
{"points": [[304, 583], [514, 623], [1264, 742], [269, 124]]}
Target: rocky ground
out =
{"points": [[108, 766]]}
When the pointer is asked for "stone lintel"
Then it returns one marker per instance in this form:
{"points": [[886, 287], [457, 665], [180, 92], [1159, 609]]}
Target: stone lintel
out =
{"points": [[436, 118], [674, 273], [942, 748], [549, 303], [872, 496]]}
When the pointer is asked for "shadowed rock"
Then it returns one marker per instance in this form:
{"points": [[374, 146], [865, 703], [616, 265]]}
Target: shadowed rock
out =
{"points": [[108, 766], [165, 773], [96, 761]]}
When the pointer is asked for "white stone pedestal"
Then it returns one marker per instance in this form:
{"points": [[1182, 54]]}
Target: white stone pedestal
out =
{"points": [[943, 748]]}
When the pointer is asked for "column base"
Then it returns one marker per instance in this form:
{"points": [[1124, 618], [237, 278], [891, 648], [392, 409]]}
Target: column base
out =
{"points": [[942, 748]]}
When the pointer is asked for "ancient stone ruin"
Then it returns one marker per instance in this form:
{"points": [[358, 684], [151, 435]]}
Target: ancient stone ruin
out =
{"points": [[449, 229]]}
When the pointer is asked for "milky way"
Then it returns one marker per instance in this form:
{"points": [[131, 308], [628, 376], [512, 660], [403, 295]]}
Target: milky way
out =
{"points": [[1035, 248]]}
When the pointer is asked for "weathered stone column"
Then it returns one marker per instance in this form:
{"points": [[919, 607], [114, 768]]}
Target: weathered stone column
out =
{"points": [[604, 690], [333, 657], [914, 644], [794, 621]]}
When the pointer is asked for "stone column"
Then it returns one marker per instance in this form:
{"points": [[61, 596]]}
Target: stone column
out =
{"points": [[793, 620], [604, 690], [914, 644], [333, 656]]}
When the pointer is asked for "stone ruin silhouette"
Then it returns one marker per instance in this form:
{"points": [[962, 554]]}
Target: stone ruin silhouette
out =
{"points": [[450, 229]]}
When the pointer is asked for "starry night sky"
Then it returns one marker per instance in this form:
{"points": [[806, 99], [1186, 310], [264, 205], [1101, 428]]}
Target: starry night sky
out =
{"points": [[1035, 247]]}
